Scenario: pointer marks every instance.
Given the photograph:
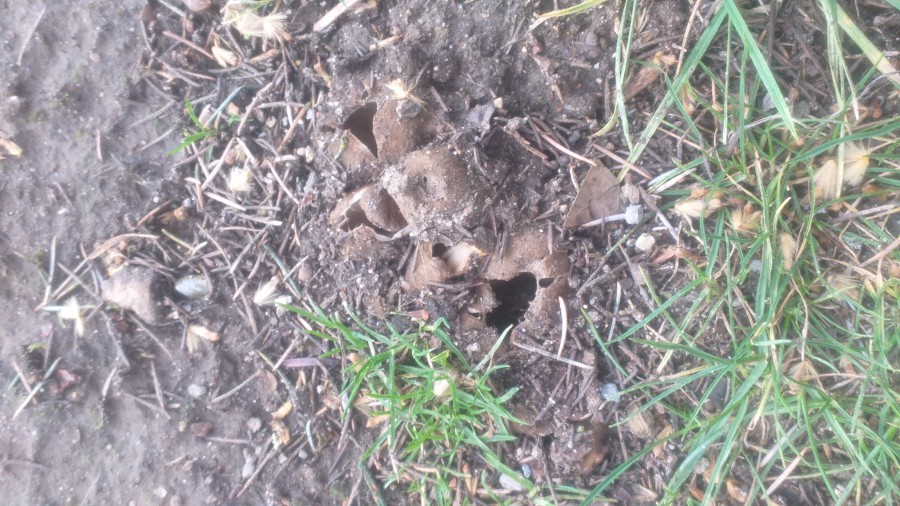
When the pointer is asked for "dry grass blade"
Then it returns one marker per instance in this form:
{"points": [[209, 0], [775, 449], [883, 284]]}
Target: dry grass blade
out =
{"points": [[331, 16]]}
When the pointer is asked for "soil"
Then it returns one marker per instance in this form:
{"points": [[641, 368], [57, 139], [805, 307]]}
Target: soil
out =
{"points": [[449, 203]]}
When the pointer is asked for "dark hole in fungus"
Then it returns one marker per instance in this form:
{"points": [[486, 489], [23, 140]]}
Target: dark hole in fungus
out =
{"points": [[360, 123], [545, 282], [438, 250], [513, 298]]}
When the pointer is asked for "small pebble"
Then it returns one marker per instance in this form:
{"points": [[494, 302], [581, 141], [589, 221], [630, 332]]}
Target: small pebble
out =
{"points": [[633, 214], [253, 425], [509, 483], [526, 470], [610, 392], [247, 470], [645, 243], [161, 492], [201, 429], [196, 391]]}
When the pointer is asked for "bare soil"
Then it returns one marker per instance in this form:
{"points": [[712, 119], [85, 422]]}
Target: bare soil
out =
{"points": [[359, 194]]}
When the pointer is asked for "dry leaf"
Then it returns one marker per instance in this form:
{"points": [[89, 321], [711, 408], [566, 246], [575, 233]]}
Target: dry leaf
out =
{"points": [[599, 197], [648, 75], [640, 424], [10, 147], [283, 411], [281, 435]]}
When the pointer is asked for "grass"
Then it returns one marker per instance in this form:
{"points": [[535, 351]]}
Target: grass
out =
{"points": [[431, 409], [810, 361]]}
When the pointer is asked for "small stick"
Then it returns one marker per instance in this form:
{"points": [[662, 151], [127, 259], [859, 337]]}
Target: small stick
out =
{"points": [[156, 140], [190, 44], [229, 441], [152, 335], [253, 103], [567, 151], [544, 353], [99, 146], [565, 327], [22, 378], [52, 272], [28, 37], [259, 468], [331, 16], [662, 217], [37, 388], [158, 390], [235, 389], [142, 402], [284, 187], [883, 253], [628, 165], [22, 462]]}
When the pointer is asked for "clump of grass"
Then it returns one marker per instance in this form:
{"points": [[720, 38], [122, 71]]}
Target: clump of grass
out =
{"points": [[796, 313], [437, 419]]}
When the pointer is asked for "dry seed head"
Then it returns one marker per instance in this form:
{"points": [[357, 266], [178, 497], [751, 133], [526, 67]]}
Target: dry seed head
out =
{"points": [[745, 219], [844, 283], [826, 184], [197, 334], [402, 92], [267, 294], [203, 333], [251, 24], [71, 310], [695, 208], [801, 372], [788, 246], [856, 161], [240, 180], [224, 57]]}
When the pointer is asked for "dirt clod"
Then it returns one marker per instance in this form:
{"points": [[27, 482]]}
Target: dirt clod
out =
{"points": [[136, 289]]}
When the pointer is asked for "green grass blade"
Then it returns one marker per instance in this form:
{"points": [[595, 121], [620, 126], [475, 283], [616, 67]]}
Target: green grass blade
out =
{"points": [[759, 62]]}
